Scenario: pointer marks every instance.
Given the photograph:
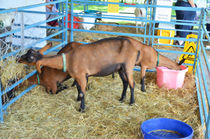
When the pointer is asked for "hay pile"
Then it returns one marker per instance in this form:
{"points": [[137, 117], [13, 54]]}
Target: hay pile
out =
{"points": [[42, 115], [10, 70]]}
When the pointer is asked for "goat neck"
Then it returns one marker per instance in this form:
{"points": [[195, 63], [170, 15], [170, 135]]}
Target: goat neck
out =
{"points": [[55, 62], [166, 62]]}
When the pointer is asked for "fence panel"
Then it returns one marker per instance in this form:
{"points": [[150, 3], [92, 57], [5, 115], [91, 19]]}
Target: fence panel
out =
{"points": [[21, 29]]}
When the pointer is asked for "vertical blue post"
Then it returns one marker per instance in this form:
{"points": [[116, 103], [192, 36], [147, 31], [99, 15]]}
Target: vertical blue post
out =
{"points": [[1, 106], [145, 26], [72, 18], [153, 26], [204, 22], [22, 29], [62, 27], [151, 10], [200, 37], [66, 21]]}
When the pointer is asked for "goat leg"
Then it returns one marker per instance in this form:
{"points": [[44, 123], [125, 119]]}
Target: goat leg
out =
{"points": [[78, 90], [129, 73], [61, 87], [125, 85], [81, 83], [143, 85], [132, 94], [82, 104], [143, 70], [74, 83]]}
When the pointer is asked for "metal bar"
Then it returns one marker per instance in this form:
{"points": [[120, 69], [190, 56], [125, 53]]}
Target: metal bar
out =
{"points": [[66, 22], [134, 35], [202, 95], [72, 18], [36, 38], [136, 5], [18, 97], [204, 81], [205, 56], [30, 26], [22, 29], [31, 45], [1, 106], [199, 97], [47, 27], [18, 82], [29, 7], [132, 18]]}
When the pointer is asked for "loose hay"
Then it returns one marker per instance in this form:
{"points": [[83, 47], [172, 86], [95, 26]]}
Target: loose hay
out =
{"points": [[10, 70], [42, 115]]}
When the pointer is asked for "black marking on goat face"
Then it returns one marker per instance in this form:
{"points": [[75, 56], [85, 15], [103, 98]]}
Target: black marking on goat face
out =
{"points": [[31, 56]]}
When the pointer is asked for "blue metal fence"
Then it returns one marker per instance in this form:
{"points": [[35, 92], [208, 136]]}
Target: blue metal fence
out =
{"points": [[148, 35], [61, 30], [203, 78]]}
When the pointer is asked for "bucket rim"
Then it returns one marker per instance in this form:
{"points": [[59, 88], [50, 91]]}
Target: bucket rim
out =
{"points": [[168, 119], [162, 68]]}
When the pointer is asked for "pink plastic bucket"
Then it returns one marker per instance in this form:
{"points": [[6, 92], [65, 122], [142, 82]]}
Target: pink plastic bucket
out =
{"points": [[171, 78]]}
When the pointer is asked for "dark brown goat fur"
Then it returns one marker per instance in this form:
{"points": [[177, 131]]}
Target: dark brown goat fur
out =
{"points": [[50, 78], [100, 58], [148, 59]]}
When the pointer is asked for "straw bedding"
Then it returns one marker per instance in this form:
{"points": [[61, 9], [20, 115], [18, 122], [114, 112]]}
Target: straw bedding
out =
{"points": [[42, 115], [38, 115]]}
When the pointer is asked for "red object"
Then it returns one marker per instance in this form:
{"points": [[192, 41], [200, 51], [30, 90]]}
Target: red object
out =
{"points": [[75, 25], [53, 23], [129, 3]]}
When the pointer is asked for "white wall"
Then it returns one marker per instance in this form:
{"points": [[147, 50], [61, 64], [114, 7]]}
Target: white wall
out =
{"points": [[29, 18]]}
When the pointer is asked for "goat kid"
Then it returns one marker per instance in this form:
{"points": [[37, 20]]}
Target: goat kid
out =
{"points": [[99, 58], [50, 78]]}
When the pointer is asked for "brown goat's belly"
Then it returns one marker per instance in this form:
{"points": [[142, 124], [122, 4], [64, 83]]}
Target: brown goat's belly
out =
{"points": [[108, 70]]}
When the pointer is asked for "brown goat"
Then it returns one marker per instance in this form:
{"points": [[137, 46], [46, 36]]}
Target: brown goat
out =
{"points": [[99, 58], [149, 58], [50, 78]]}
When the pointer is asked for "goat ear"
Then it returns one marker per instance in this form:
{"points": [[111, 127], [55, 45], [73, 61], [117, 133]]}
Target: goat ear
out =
{"points": [[47, 46], [30, 64], [38, 64]]}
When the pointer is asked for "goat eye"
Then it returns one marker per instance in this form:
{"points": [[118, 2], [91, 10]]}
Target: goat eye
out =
{"points": [[31, 57]]}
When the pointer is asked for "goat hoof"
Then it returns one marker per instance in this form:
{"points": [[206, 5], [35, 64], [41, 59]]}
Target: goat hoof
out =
{"points": [[81, 110], [88, 87], [122, 99], [131, 103], [143, 90], [78, 98]]}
